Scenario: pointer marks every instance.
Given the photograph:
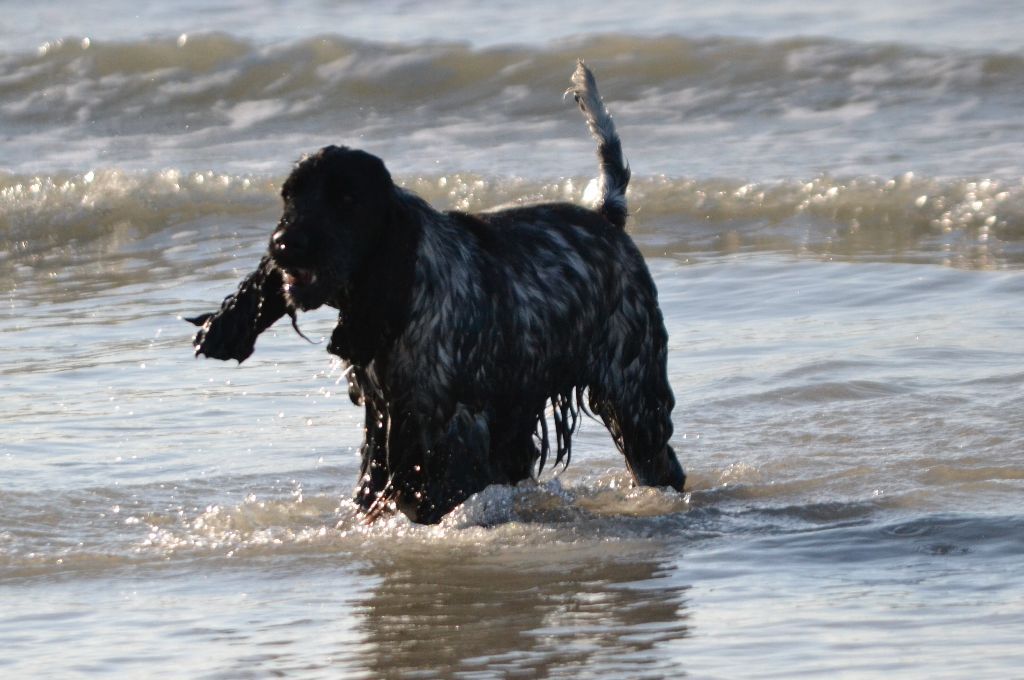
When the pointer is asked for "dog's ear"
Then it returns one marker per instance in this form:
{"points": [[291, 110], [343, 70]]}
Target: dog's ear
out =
{"points": [[365, 194], [375, 169], [356, 175], [379, 193]]}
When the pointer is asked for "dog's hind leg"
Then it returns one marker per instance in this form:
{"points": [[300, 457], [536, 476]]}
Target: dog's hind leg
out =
{"points": [[641, 429], [635, 401]]}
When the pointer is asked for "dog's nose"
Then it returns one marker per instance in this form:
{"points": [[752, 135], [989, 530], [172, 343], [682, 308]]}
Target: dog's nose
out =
{"points": [[290, 242]]}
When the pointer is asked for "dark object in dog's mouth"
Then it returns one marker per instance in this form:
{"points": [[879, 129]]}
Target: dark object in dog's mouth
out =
{"points": [[298, 278]]}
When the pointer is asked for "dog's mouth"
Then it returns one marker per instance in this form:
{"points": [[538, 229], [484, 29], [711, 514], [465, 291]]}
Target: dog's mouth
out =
{"points": [[302, 288], [296, 279]]}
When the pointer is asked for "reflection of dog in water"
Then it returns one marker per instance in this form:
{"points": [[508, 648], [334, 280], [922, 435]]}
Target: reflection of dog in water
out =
{"points": [[460, 329]]}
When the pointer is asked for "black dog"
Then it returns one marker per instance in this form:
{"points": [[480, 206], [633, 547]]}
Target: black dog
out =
{"points": [[460, 329]]}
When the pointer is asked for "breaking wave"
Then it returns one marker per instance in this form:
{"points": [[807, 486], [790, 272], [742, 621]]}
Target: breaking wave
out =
{"points": [[968, 222]]}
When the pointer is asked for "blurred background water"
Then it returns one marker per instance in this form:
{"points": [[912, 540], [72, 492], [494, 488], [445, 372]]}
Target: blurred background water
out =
{"points": [[831, 200]]}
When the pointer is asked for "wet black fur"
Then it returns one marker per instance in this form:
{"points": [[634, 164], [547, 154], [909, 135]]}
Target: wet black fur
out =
{"points": [[460, 330]]}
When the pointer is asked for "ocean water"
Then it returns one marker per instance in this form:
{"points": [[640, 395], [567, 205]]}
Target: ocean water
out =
{"points": [[831, 200]]}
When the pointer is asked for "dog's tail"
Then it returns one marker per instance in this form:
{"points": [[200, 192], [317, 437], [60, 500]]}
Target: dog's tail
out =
{"points": [[614, 171]]}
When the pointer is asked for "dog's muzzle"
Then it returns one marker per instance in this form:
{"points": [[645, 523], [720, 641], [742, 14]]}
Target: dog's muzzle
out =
{"points": [[289, 247]]}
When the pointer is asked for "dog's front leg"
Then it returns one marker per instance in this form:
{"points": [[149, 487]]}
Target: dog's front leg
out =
{"points": [[231, 331], [373, 473], [433, 470]]}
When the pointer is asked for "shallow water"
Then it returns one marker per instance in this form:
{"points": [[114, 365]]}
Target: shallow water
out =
{"points": [[836, 228]]}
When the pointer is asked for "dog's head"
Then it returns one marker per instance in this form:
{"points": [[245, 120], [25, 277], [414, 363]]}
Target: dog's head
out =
{"points": [[337, 204]]}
